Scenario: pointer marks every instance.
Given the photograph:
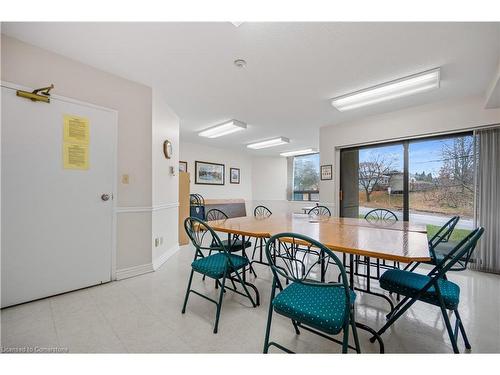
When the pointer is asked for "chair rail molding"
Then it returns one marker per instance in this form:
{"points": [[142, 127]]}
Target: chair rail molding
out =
{"points": [[159, 207]]}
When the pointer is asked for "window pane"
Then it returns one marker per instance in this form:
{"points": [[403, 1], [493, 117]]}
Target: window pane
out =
{"points": [[442, 182], [381, 179], [306, 177]]}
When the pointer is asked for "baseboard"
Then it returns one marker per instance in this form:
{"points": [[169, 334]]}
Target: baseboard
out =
{"points": [[159, 261], [125, 273]]}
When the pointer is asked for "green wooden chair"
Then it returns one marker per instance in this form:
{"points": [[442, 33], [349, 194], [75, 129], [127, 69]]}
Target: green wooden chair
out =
{"points": [[433, 288], [323, 307], [222, 265]]}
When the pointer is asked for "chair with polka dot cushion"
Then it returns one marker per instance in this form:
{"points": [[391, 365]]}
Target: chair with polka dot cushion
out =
{"points": [[314, 300], [433, 288], [223, 265]]}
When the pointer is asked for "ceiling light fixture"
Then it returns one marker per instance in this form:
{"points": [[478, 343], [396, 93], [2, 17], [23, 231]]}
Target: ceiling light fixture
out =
{"points": [[223, 129], [410, 85], [298, 152], [269, 143]]}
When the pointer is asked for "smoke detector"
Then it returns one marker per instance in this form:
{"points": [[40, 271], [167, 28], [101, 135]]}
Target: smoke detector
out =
{"points": [[240, 63]]}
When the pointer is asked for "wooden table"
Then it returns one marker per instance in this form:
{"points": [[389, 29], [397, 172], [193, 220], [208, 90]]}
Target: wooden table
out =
{"points": [[401, 241], [394, 241]]}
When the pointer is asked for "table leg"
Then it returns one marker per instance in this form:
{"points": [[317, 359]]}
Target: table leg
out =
{"points": [[361, 325]]}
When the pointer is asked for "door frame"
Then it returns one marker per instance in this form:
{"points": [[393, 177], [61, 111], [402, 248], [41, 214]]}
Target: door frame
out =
{"points": [[15, 86]]}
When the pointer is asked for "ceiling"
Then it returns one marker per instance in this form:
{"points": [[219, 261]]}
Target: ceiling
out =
{"points": [[292, 70]]}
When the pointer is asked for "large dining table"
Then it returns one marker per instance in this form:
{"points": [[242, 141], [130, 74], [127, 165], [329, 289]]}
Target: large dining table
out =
{"points": [[397, 241]]}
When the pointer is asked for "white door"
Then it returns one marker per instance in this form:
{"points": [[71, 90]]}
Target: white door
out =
{"points": [[57, 231]]}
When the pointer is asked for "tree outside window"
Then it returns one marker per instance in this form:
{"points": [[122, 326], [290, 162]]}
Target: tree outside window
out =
{"points": [[306, 177]]}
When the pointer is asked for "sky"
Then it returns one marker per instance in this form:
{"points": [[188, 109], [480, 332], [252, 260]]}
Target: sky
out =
{"points": [[424, 155]]}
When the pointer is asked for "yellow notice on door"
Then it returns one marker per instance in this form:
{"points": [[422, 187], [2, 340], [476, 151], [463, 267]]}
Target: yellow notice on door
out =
{"points": [[76, 129], [75, 156]]}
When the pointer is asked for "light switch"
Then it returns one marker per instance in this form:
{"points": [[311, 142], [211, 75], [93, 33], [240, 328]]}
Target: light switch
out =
{"points": [[125, 179]]}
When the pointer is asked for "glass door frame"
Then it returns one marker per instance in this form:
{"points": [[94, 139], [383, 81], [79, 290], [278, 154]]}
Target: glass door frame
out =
{"points": [[406, 163]]}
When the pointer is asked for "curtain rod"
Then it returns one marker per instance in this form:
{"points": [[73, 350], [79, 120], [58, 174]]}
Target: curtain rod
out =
{"points": [[424, 135]]}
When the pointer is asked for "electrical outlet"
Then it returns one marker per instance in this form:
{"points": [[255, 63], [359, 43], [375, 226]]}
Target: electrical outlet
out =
{"points": [[125, 179], [157, 242]]}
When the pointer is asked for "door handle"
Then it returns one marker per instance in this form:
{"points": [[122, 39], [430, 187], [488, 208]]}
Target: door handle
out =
{"points": [[105, 197]]}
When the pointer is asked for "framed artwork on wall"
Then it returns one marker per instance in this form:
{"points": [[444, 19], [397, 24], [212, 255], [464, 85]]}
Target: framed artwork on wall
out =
{"points": [[206, 173], [183, 166], [234, 175], [326, 172]]}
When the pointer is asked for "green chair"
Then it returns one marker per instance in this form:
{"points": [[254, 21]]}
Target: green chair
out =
{"points": [[320, 211], [325, 308], [221, 265], [234, 243], [433, 288], [440, 246], [260, 212]]}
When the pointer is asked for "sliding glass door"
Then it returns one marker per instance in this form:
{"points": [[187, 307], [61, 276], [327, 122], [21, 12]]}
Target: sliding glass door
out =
{"points": [[424, 181]]}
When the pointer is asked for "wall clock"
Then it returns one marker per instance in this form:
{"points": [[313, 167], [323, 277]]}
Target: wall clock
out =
{"points": [[167, 149]]}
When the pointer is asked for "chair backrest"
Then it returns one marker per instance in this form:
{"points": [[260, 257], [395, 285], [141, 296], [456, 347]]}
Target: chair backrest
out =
{"points": [[381, 214], [320, 211], [295, 257], [443, 234], [202, 236], [196, 200], [458, 258], [262, 211], [215, 214]]}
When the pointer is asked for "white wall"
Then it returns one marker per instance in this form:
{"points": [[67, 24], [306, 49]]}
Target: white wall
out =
{"points": [[269, 183], [164, 217], [231, 159], [263, 178], [138, 140], [441, 117]]}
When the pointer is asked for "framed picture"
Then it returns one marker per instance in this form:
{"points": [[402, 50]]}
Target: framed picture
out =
{"points": [[183, 166], [234, 175], [326, 172], [206, 173]]}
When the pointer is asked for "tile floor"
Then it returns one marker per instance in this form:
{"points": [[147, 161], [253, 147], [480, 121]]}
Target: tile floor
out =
{"points": [[142, 314]]}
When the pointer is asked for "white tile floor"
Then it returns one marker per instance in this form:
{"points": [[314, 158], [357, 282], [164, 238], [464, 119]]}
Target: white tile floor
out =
{"points": [[142, 314]]}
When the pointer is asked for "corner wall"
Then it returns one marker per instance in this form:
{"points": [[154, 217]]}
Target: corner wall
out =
{"points": [[165, 192]]}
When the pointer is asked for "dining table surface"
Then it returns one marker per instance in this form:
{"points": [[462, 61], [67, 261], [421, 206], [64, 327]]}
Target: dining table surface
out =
{"points": [[396, 240]]}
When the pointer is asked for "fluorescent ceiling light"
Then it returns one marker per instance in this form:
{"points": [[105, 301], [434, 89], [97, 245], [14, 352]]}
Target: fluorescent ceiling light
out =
{"points": [[298, 152], [223, 129], [410, 85], [269, 143]]}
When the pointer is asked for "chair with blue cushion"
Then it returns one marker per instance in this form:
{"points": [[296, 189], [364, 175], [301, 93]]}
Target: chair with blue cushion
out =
{"points": [[234, 242], [324, 307], [433, 288], [221, 265]]}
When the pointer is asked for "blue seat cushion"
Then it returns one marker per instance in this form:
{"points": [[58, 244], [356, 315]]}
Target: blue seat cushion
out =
{"points": [[408, 283], [318, 306], [236, 245], [215, 265]]}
